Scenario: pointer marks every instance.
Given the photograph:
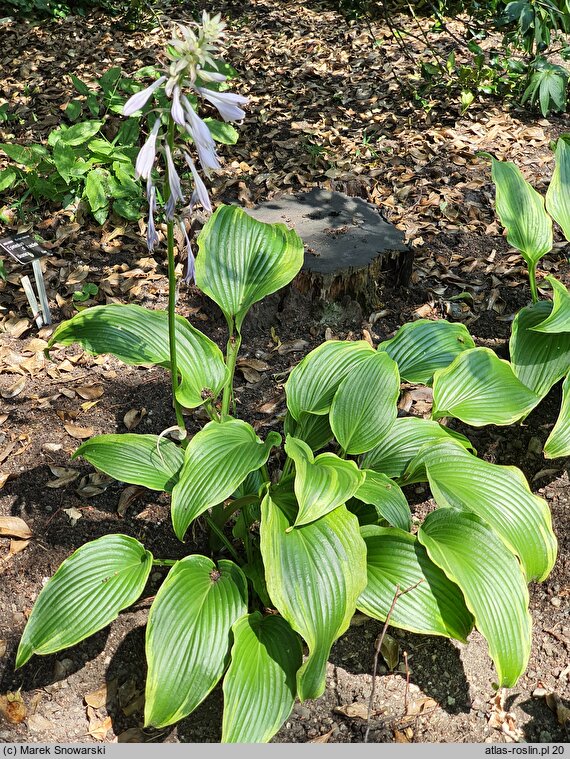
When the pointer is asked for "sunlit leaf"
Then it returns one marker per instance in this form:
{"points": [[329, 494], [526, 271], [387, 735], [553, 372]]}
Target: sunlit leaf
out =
{"points": [[388, 500], [558, 442], [558, 319]]}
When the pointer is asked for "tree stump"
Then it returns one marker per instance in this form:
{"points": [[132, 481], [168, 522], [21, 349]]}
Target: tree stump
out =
{"points": [[349, 250]]}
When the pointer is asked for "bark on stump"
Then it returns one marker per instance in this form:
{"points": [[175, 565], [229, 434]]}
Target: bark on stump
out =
{"points": [[350, 250]]}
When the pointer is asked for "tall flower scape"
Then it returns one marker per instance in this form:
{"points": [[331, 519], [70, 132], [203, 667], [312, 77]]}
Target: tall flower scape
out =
{"points": [[192, 74]]}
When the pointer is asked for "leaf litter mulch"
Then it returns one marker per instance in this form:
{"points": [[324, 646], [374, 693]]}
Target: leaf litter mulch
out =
{"points": [[327, 111]]}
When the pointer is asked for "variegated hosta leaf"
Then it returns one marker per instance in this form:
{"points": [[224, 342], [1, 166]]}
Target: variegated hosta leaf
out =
{"points": [[145, 460], [397, 561], [558, 193], [386, 497], [321, 484], [498, 494], [216, 462], [242, 260], [480, 388], [402, 442], [558, 443], [364, 406], [86, 593], [558, 319], [422, 347], [314, 381], [315, 575], [260, 685], [138, 336], [539, 359], [313, 429], [521, 211], [493, 585], [188, 635]]}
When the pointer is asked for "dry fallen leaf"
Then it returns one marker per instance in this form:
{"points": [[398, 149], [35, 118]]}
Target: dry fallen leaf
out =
{"points": [[98, 728], [13, 707], [133, 418], [18, 545], [3, 647], [128, 496], [89, 392], [557, 706], [97, 698], [402, 736], [4, 477], [356, 710], [73, 514], [64, 476], [93, 484], [132, 735], [14, 527], [14, 389], [81, 433], [420, 706], [322, 738]]}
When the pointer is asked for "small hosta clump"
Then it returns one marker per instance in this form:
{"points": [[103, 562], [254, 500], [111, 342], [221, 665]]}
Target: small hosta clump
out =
{"points": [[191, 74]]}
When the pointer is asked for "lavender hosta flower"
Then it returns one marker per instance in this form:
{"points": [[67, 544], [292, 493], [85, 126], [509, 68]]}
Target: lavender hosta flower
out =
{"points": [[174, 185], [210, 76], [151, 233], [139, 99], [147, 154], [227, 103], [191, 260], [200, 192], [202, 137], [177, 111]]}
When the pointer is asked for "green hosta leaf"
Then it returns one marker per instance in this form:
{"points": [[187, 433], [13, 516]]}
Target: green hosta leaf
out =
{"points": [[222, 132], [73, 109], [86, 593], [80, 133], [403, 441], [364, 406], [321, 484], [314, 381], [559, 318], [386, 497], [138, 336], [313, 429], [396, 560], [7, 179], [80, 86], [420, 348], [217, 461], [96, 193], [493, 585], [498, 494], [260, 686], [558, 443], [314, 576], [145, 460], [480, 388], [188, 635], [557, 195], [539, 359], [242, 260], [65, 161], [25, 156], [521, 211]]}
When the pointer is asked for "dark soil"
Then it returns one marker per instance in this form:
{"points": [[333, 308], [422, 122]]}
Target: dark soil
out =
{"points": [[440, 691]]}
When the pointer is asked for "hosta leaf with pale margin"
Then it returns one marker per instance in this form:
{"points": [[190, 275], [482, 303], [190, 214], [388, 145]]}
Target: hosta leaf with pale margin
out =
{"points": [[558, 443], [521, 211], [403, 441], [396, 560], [365, 405], [216, 461], [188, 635], [145, 460], [139, 336], [260, 685], [314, 381], [242, 260], [314, 575], [498, 494], [558, 193], [86, 593], [559, 318], [480, 388], [492, 582], [313, 429], [386, 497], [539, 359], [420, 348], [321, 484]]}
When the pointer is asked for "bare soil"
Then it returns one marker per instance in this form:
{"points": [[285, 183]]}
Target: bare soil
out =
{"points": [[309, 74]]}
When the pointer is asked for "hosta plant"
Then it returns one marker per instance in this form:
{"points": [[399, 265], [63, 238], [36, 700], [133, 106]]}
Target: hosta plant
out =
{"points": [[311, 522], [478, 387]]}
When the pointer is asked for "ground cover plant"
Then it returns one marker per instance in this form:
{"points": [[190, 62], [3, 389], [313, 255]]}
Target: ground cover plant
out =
{"points": [[289, 458]]}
